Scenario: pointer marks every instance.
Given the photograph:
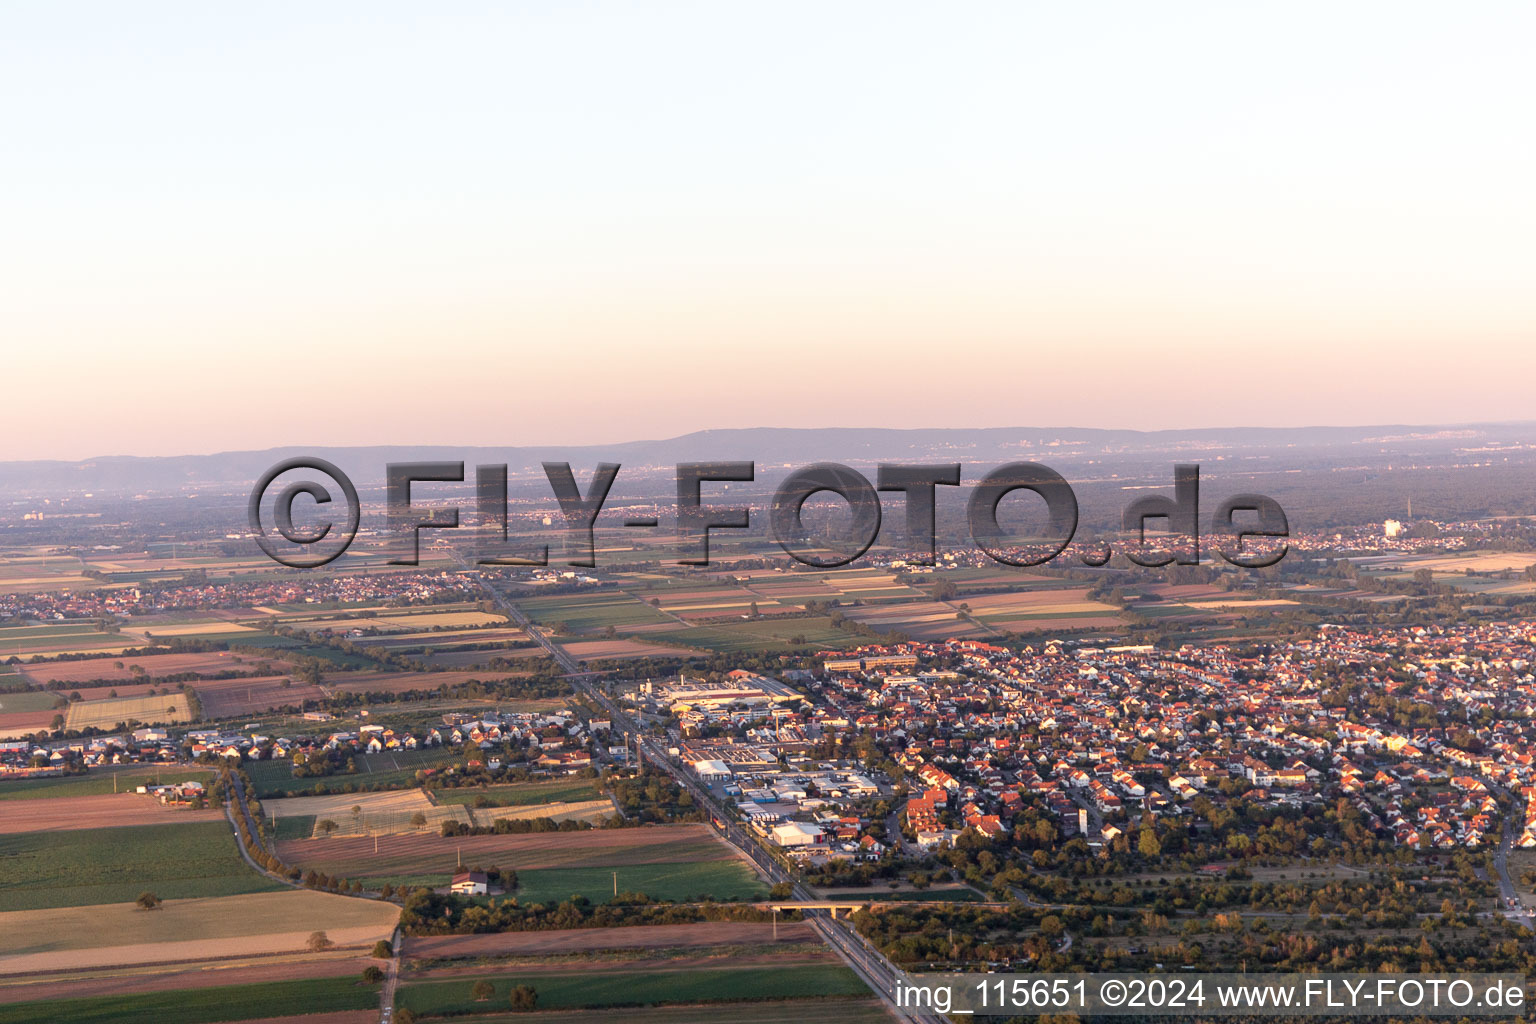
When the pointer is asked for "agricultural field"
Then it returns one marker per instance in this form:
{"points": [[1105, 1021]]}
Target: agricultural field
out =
{"points": [[119, 934], [594, 612], [161, 709], [161, 976], [773, 635], [153, 666], [110, 779], [20, 724], [385, 770], [849, 1010], [586, 940], [221, 629], [613, 650], [51, 639], [691, 603], [671, 862], [239, 698], [366, 814], [90, 866], [205, 1005], [521, 794], [66, 814], [401, 620], [616, 986], [400, 682], [1038, 609], [12, 701], [921, 620]]}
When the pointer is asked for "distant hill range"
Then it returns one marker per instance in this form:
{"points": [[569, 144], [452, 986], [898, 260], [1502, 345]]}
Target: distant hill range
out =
{"points": [[1080, 454]]}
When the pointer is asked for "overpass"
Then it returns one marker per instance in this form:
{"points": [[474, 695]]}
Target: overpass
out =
{"points": [[853, 906]]}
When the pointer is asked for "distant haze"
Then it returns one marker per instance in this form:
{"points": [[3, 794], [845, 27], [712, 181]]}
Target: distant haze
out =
{"points": [[232, 228]]}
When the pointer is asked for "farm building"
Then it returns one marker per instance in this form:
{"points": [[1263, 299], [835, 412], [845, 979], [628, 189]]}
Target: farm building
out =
{"points": [[469, 883]]}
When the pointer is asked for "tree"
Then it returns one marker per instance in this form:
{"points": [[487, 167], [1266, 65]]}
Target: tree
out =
{"points": [[148, 901], [405, 1016], [327, 826], [372, 975], [482, 990], [1148, 843], [318, 942], [524, 998], [382, 950], [418, 820]]}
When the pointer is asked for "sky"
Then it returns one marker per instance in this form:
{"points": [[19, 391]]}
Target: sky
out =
{"points": [[243, 226]]}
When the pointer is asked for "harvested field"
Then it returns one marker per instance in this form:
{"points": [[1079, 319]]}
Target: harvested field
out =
{"points": [[1488, 561], [604, 650], [24, 723], [233, 698], [923, 620], [403, 622], [1036, 602], [197, 629], [166, 708], [155, 665], [78, 812], [582, 940], [71, 938]]}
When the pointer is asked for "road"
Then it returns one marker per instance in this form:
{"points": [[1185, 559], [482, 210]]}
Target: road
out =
{"points": [[391, 980], [1509, 900], [234, 799], [866, 961]]}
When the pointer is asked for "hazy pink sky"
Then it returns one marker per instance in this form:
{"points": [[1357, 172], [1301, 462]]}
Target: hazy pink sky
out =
{"points": [[514, 223]]}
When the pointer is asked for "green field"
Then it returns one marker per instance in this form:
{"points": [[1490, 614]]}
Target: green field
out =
{"points": [[523, 794], [29, 700], [395, 770], [576, 989], [716, 879], [763, 634], [99, 781], [586, 612], [201, 1005], [679, 882], [51, 641], [298, 826], [79, 868]]}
